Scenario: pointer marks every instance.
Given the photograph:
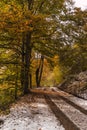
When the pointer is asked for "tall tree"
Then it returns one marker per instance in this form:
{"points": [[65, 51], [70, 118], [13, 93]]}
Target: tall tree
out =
{"points": [[26, 24]]}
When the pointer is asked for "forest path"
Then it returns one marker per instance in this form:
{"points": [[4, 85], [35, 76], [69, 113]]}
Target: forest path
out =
{"points": [[46, 109], [31, 112], [71, 113]]}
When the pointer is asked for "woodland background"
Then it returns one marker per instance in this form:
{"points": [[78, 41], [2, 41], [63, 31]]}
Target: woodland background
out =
{"points": [[41, 44]]}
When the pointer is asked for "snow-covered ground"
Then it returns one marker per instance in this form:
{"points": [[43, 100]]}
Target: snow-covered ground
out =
{"points": [[32, 112], [79, 101], [30, 115], [78, 118], [76, 100]]}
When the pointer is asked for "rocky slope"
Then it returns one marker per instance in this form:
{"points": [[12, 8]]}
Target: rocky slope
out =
{"points": [[76, 84]]}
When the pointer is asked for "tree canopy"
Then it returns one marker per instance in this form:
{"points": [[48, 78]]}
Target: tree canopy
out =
{"points": [[54, 29]]}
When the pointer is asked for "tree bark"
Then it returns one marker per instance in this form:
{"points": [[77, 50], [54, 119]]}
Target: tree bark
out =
{"points": [[37, 77], [39, 71], [26, 56], [30, 80], [27, 62], [23, 63], [41, 68]]}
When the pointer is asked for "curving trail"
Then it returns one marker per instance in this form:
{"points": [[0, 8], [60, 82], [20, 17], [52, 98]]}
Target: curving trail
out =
{"points": [[46, 109], [73, 116]]}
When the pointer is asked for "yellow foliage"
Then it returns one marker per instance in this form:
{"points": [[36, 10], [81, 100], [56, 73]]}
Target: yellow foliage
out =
{"points": [[14, 19], [51, 77], [75, 46], [55, 59]]}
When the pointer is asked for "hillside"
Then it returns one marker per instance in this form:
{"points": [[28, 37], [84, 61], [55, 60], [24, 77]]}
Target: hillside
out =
{"points": [[76, 84]]}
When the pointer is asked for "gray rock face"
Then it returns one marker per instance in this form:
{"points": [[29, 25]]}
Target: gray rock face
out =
{"points": [[76, 84]]}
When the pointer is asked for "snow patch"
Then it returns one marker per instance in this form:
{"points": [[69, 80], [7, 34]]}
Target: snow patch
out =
{"points": [[31, 116]]}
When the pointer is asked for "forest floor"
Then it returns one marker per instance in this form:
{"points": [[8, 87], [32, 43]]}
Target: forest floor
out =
{"points": [[31, 112], [46, 109]]}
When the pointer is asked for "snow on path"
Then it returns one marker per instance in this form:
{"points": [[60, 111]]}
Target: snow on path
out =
{"points": [[78, 101], [31, 116], [78, 118]]}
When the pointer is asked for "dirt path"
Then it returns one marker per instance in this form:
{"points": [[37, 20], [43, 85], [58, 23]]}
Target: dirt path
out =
{"points": [[31, 113], [72, 115], [46, 110]]}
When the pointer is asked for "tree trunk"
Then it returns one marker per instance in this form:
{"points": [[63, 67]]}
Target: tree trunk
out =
{"points": [[16, 82], [27, 62], [30, 80], [26, 56], [37, 77], [41, 69], [39, 72], [23, 63]]}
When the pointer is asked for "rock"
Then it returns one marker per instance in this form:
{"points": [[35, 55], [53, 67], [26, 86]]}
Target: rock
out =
{"points": [[1, 121], [76, 84]]}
